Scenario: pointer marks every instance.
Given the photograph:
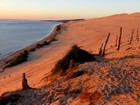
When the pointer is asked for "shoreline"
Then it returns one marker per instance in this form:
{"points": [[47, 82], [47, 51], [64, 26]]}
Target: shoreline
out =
{"points": [[49, 38], [89, 35]]}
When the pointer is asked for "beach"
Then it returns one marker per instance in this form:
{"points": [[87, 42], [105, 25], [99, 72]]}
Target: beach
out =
{"points": [[9, 57], [18, 34], [89, 34], [28, 48]]}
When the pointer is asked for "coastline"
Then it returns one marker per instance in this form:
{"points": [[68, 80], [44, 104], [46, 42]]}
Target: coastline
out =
{"points": [[49, 38], [89, 34]]}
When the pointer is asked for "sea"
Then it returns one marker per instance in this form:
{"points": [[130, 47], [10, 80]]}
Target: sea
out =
{"points": [[18, 34]]}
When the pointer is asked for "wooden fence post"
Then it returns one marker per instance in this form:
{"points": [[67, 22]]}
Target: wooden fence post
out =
{"points": [[131, 38], [25, 85], [120, 39], [100, 51], [137, 38], [105, 44]]}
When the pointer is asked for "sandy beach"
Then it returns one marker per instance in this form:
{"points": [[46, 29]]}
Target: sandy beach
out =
{"points": [[28, 48], [89, 34]]}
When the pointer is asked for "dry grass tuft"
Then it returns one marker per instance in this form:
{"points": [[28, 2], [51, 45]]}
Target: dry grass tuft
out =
{"points": [[76, 54]]}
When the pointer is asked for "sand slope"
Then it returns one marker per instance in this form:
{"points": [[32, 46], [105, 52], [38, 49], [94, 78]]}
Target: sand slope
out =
{"points": [[88, 33], [103, 83]]}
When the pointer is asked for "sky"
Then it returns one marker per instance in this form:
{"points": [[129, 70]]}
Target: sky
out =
{"points": [[65, 9]]}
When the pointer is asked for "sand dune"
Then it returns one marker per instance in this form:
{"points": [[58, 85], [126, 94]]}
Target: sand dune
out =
{"points": [[89, 33]]}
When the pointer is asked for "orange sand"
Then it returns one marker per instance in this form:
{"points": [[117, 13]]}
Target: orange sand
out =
{"points": [[88, 33]]}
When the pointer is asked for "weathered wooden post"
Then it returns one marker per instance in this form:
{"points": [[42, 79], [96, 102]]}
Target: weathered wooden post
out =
{"points": [[105, 44], [100, 51], [116, 40], [137, 38], [25, 85], [131, 38], [120, 39]]}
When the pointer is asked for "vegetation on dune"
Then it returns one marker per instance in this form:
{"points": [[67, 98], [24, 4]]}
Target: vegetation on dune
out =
{"points": [[45, 43], [22, 57], [59, 28], [54, 39], [32, 49], [38, 45], [9, 98], [76, 54]]}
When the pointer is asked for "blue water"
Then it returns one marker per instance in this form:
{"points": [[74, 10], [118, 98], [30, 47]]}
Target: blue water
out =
{"points": [[17, 34]]}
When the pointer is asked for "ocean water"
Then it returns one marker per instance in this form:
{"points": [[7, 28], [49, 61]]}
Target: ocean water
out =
{"points": [[17, 34]]}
